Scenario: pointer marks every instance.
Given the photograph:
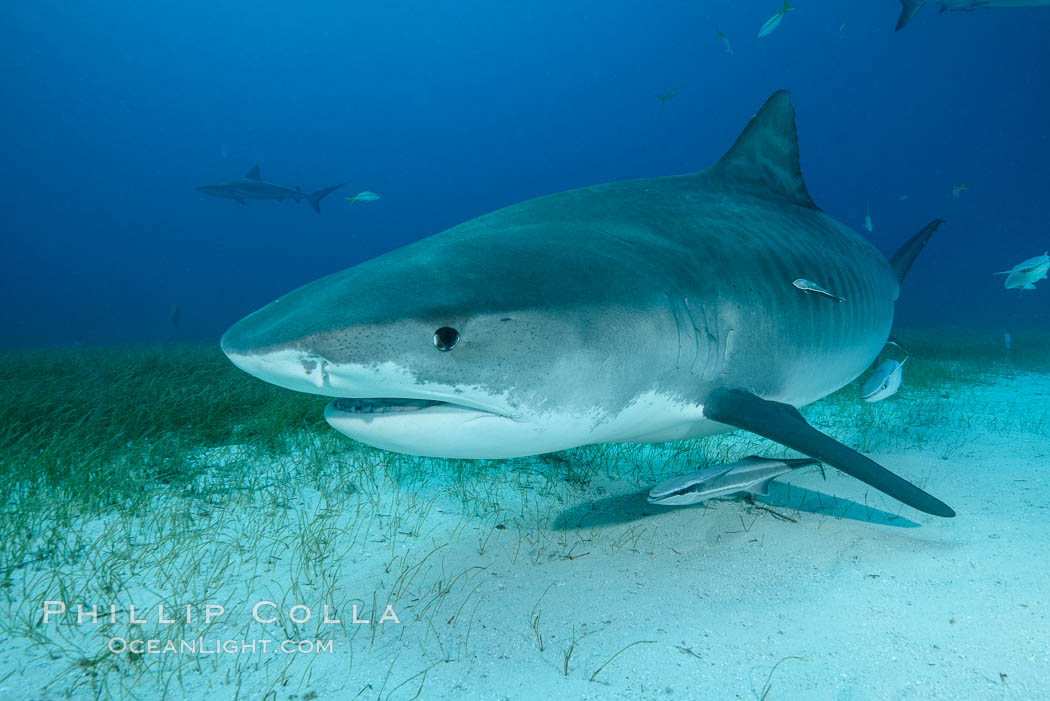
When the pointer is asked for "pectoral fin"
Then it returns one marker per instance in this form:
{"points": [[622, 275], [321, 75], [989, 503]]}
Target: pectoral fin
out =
{"points": [[782, 423]]}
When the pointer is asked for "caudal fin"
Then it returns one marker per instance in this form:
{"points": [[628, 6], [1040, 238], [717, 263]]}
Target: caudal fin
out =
{"points": [[908, 10], [901, 260], [316, 197]]}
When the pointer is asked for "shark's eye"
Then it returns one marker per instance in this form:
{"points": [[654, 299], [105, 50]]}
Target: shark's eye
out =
{"points": [[446, 338]]}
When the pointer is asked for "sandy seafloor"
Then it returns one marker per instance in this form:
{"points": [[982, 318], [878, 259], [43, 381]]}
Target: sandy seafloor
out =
{"points": [[854, 597]]}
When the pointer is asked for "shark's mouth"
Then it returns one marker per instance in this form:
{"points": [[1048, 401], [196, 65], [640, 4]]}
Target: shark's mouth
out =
{"points": [[397, 405], [382, 406], [446, 427]]}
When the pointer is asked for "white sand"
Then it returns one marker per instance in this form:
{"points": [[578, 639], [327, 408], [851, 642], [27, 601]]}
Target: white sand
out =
{"points": [[853, 601]]}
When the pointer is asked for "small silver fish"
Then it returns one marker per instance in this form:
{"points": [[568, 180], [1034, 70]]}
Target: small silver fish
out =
{"points": [[363, 196], [667, 95], [752, 474], [724, 39], [774, 21], [810, 286], [867, 217]]}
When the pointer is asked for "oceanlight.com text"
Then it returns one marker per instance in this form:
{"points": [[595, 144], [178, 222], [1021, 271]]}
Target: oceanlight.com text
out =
{"points": [[200, 646]]}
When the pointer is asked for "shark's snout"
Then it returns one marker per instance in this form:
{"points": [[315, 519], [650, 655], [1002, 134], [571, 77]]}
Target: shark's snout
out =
{"points": [[237, 340], [294, 370], [260, 345], [228, 343], [277, 326]]}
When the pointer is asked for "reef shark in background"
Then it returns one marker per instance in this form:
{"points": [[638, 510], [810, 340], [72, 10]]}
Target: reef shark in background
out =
{"points": [[909, 8], [644, 310], [253, 187]]}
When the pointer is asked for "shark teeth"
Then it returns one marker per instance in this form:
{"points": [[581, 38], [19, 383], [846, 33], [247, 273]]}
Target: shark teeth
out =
{"points": [[382, 406]]}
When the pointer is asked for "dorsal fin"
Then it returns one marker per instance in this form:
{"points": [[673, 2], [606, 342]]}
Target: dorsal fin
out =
{"points": [[764, 158], [253, 173]]}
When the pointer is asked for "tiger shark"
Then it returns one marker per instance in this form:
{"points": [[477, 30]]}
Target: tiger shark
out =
{"points": [[253, 187], [909, 8], [645, 310]]}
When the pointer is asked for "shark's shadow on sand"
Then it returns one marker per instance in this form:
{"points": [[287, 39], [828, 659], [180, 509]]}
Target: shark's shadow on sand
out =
{"points": [[786, 499]]}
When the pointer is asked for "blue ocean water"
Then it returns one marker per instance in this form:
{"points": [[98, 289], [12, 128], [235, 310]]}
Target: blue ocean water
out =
{"points": [[113, 112]]}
